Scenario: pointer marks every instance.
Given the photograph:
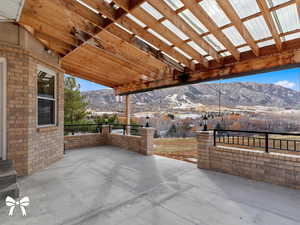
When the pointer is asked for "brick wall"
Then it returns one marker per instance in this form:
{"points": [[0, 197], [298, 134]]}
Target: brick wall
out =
{"points": [[82, 141], [276, 168], [17, 106], [29, 147], [45, 145], [131, 143], [141, 144]]}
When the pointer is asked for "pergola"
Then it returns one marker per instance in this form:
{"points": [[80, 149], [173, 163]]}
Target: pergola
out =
{"points": [[140, 45]]}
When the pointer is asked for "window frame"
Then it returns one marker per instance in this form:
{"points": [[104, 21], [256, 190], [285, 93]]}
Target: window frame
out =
{"points": [[54, 99]]}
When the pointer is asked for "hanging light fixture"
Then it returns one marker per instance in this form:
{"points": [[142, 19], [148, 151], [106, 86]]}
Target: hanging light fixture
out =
{"points": [[205, 119], [147, 121]]}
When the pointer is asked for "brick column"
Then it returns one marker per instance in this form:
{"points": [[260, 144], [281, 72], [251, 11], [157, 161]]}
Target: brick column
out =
{"points": [[147, 141], [205, 141], [105, 133]]}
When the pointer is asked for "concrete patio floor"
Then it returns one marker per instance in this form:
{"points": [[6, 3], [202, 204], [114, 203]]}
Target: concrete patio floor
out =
{"points": [[111, 186]]}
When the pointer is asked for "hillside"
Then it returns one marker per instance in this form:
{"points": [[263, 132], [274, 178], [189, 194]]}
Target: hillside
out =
{"points": [[233, 94]]}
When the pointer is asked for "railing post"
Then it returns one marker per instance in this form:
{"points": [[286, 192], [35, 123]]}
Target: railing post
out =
{"points": [[267, 142], [147, 145], [205, 142], [215, 137]]}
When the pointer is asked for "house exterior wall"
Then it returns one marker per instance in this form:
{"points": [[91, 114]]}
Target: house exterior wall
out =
{"points": [[31, 148], [276, 168]]}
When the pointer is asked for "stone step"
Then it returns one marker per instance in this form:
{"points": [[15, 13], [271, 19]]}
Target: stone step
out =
{"points": [[5, 164], [7, 177], [12, 191]]}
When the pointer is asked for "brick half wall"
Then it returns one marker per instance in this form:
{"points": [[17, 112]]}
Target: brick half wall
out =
{"points": [[141, 144], [276, 168], [82, 141], [130, 143]]}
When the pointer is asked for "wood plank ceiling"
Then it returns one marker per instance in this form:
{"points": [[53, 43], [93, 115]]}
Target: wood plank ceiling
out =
{"points": [[140, 45]]}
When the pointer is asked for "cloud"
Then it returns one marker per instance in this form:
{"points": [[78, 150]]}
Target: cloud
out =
{"points": [[285, 83]]}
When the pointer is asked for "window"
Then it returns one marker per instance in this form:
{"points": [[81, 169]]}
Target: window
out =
{"points": [[46, 97]]}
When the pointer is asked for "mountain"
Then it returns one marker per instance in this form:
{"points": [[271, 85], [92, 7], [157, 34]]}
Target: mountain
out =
{"points": [[232, 94]]}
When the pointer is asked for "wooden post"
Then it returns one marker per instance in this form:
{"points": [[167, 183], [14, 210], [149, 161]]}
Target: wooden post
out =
{"points": [[127, 111]]}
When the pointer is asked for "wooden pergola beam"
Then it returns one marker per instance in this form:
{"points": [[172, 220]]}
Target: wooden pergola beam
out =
{"points": [[185, 27], [201, 14], [298, 7], [235, 19], [121, 61], [46, 29], [269, 60], [100, 74], [270, 22], [53, 41], [87, 76]]}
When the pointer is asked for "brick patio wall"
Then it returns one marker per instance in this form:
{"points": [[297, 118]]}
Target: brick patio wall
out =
{"points": [[141, 144], [276, 168], [29, 147], [82, 141], [131, 143]]}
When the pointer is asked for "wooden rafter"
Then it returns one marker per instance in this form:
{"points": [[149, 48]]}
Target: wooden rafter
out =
{"points": [[149, 61], [46, 29], [138, 30], [201, 14], [108, 69], [270, 22], [122, 52], [155, 25], [53, 41], [106, 46], [104, 8], [82, 23], [183, 26], [235, 19], [146, 18], [102, 74], [129, 5], [87, 76], [282, 5], [111, 27], [266, 39], [86, 13]]}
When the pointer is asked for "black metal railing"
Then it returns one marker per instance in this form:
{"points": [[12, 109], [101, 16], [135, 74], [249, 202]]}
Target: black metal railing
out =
{"points": [[72, 129], [123, 128], [258, 139]]}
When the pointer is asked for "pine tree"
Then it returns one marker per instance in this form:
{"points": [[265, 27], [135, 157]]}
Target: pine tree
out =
{"points": [[74, 106]]}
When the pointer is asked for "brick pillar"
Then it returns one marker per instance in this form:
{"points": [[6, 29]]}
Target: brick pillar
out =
{"points": [[205, 141], [146, 140], [105, 133]]}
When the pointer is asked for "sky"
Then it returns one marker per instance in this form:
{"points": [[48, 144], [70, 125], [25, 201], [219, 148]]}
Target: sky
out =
{"points": [[286, 78]]}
